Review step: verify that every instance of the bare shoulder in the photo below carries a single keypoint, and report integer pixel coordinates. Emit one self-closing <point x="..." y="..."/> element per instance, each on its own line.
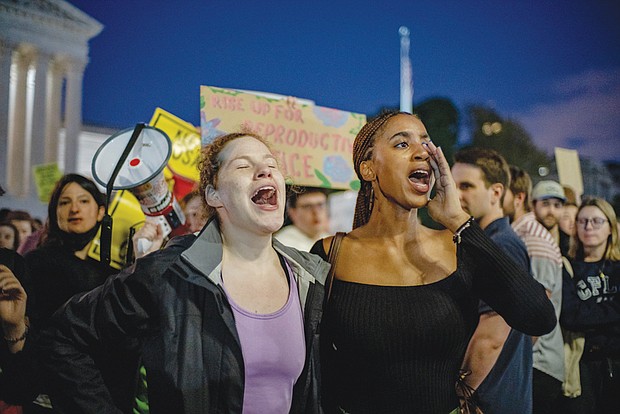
<point x="427" y="256"/>
<point x="327" y="243"/>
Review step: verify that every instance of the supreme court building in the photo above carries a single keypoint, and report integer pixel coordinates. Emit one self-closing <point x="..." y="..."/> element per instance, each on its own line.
<point x="43" y="54"/>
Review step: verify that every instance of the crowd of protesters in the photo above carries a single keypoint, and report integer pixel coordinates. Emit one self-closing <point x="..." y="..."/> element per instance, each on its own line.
<point x="512" y="308"/>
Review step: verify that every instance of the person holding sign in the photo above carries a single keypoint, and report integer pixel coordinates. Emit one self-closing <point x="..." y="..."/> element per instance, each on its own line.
<point x="403" y="298"/>
<point x="226" y="321"/>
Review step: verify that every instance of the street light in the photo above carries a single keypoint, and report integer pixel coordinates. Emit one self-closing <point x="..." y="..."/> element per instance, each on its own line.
<point x="491" y="128"/>
<point x="543" y="171"/>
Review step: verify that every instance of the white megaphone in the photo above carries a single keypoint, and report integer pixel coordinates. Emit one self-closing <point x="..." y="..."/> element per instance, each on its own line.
<point x="134" y="160"/>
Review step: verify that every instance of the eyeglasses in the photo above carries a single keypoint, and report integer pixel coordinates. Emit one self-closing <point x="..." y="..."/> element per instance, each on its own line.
<point x="597" y="222"/>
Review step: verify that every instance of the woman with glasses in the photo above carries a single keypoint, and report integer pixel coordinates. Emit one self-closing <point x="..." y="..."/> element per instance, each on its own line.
<point x="591" y="305"/>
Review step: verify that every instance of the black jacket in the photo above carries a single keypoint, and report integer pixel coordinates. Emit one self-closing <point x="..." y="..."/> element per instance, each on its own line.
<point x="18" y="382"/>
<point x="170" y="308"/>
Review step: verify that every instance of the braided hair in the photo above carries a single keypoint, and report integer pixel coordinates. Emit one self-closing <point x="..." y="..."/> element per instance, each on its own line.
<point x="362" y="151"/>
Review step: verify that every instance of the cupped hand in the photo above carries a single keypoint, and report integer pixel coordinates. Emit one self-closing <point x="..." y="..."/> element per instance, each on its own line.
<point x="12" y="302"/>
<point x="445" y="207"/>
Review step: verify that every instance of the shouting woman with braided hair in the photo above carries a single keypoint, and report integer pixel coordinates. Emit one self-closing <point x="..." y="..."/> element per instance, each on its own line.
<point x="396" y="328"/>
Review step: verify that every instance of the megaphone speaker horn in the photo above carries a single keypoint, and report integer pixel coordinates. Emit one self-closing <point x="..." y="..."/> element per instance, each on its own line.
<point x="141" y="173"/>
<point x="147" y="158"/>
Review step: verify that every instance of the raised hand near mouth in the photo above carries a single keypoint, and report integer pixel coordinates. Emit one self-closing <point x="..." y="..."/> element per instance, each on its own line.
<point x="445" y="207"/>
<point x="12" y="309"/>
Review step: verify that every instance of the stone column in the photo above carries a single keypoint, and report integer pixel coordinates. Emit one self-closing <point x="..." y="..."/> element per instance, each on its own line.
<point x="6" y="56"/>
<point x="18" y="163"/>
<point x="37" y="147"/>
<point x="73" y="113"/>
<point x="52" y="110"/>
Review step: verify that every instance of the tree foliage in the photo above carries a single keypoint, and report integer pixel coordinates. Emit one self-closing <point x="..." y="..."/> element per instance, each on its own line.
<point x="489" y="130"/>
<point x="441" y="119"/>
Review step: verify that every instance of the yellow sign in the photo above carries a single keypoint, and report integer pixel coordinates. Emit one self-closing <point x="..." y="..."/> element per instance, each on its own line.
<point x="314" y="143"/>
<point x="185" y="143"/>
<point x="569" y="169"/>
<point x="45" y="178"/>
<point x="126" y="214"/>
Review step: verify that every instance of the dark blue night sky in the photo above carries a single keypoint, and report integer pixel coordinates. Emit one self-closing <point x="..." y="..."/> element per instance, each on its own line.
<point x="552" y="65"/>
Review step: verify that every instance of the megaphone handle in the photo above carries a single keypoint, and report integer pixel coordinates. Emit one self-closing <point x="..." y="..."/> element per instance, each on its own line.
<point x="106" y="230"/>
<point x="129" y="258"/>
<point x="117" y="168"/>
<point x="106" y="239"/>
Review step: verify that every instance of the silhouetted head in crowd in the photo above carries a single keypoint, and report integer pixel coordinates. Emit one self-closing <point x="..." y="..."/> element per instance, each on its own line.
<point x="193" y="205"/>
<point x="22" y="221"/>
<point x="307" y="210"/>
<point x="9" y="236"/>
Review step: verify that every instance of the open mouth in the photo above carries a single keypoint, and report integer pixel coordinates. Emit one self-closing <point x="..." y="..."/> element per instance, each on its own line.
<point x="266" y="195"/>
<point x="421" y="180"/>
<point x="420" y="176"/>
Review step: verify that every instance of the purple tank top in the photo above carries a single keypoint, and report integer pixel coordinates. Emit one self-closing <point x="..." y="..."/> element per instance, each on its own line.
<point x="274" y="352"/>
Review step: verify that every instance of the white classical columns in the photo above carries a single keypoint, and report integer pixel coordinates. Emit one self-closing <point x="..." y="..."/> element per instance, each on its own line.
<point x="73" y="113"/>
<point x="55" y="76"/>
<point x="44" y="47"/>
<point x="31" y="93"/>
<point x="37" y="134"/>
<point x="17" y="164"/>
<point x="6" y="53"/>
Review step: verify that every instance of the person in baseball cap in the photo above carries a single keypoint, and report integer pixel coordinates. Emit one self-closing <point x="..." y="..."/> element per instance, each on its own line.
<point x="548" y="200"/>
<point x="547" y="189"/>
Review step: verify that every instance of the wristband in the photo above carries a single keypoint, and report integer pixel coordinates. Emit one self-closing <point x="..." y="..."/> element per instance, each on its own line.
<point x="457" y="234"/>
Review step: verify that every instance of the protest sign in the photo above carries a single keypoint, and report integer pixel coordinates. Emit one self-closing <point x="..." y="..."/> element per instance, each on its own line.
<point x="313" y="143"/>
<point x="183" y="162"/>
<point x="45" y="178"/>
<point x="185" y="143"/>
<point x="569" y="169"/>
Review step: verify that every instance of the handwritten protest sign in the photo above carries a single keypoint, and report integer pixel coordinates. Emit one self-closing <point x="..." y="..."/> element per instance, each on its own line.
<point x="182" y="166"/>
<point x="569" y="169"/>
<point x="45" y="178"/>
<point x="314" y="143"/>
<point x="185" y="143"/>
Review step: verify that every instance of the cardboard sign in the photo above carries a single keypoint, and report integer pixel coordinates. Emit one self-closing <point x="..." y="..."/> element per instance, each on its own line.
<point x="45" y="178"/>
<point x="569" y="169"/>
<point x="185" y="143"/>
<point x="126" y="214"/>
<point x="313" y="143"/>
